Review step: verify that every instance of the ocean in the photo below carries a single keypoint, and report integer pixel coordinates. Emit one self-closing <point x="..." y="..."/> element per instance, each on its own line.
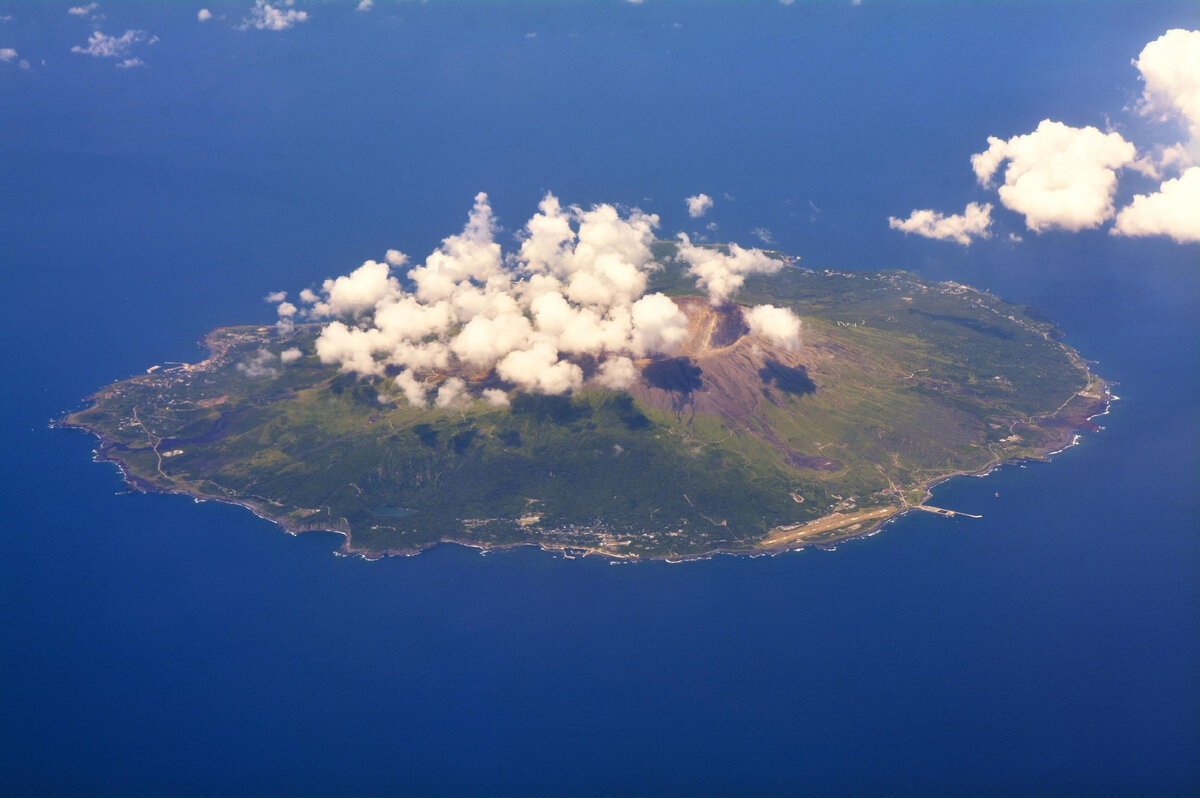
<point x="156" y="646"/>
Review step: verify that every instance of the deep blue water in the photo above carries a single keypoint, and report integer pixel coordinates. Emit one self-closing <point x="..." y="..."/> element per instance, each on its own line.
<point x="152" y="645"/>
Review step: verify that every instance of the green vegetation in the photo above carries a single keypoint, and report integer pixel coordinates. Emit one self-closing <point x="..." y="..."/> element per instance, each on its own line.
<point x="899" y="382"/>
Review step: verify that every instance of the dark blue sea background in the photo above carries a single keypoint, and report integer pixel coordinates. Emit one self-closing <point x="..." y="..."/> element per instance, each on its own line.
<point x="155" y="646"/>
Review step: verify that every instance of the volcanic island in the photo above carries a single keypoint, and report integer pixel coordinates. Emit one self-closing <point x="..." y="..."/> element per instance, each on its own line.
<point x="728" y="442"/>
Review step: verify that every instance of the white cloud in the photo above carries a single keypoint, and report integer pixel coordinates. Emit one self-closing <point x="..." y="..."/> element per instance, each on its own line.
<point x="764" y="235"/>
<point x="592" y="257"/>
<point x="286" y="310"/>
<point x="539" y="370"/>
<point x="698" y="205"/>
<point x="975" y="221"/>
<point x="721" y="275"/>
<point x="265" y="16"/>
<point x="658" y="325"/>
<point x="259" y="364"/>
<point x="103" y="46"/>
<point x="395" y="257"/>
<point x="450" y="392"/>
<point x="1169" y="67"/>
<point x="581" y="330"/>
<point x="275" y="296"/>
<point x="290" y="355"/>
<point x="495" y="397"/>
<point x="414" y="390"/>
<point x="7" y="54"/>
<point x="83" y="11"/>
<point x="129" y="63"/>
<point x="1173" y="211"/>
<point x="1057" y="176"/>
<point x="483" y="340"/>
<point x="780" y="326"/>
<point x="575" y="288"/>
<point x="472" y="255"/>
<point x="358" y="291"/>
<point x="617" y="373"/>
<point x="365" y="5"/>
<point x="204" y="15"/>
<point x="353" y="349"/>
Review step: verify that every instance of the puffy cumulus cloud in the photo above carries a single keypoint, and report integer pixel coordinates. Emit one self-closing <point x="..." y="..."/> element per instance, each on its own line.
<point x="264" y="16"/>
<point x="1063" y="177"/>
<point x="658" y="325"/>
<point x="470" y="257"/>
<point x="365" y="5"/>
<point x="259" y="364"/>
<point x="357" y="292"/>
<point x="275" y="296"/>
<point x="483" y="340"/>
<point x="495" y="397"/>
<point x="698" y="205"/>
<point x="451" y="392"/>
<point x="82" y="11"/>
<point x="722" y="274"/>
<point x="415" y="391"/>
<point x="1173" y="211"/>
<point x="617" y="373"/>
<point x="290" y="355"/>
<point x="352" y="348"/>
<point x="1170" y="69"/>
<point x="8" y="55"/>
<point x="594" y="257"/>
<point x="406" y="318"/>
<point x="539" y="370"/>
<point x="103" y="46"/>
<point x="204" y="15"/>
<point x="582" y="330"/>
<point x="975" y="221"/>
<point x="780" y="326"/>
<point x="1057" y="176"/>
<point x="574" y="292"/>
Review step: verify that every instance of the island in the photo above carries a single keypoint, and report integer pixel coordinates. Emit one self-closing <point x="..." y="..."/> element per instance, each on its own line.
<point x="728" y="442"/>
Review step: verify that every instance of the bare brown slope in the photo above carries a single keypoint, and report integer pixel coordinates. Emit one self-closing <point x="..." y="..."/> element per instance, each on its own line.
<point x="724" y="370"/>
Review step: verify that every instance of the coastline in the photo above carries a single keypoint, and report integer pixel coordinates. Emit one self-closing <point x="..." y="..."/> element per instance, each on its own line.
<point x="1096" y="395"/>
<point x="1102" y="405"/>
<point x="1098" y="405"/>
